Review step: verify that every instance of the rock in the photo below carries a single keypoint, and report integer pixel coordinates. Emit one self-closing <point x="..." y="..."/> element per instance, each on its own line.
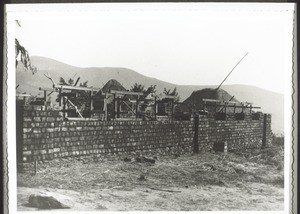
<point x="210" y="166"/>
<point x="144" y="159"/>
<point x="149" y="160"/>
<point x="86" y="161"/>
<point x="142" y="178"/>
<point x="221" y="183"/>
<point x="45" y="202"/>
<point x="138" y="159"/>
<point x="127" y="159"/>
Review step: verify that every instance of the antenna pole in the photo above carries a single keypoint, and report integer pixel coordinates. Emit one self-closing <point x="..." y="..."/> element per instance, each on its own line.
<point x="231" y="71"/>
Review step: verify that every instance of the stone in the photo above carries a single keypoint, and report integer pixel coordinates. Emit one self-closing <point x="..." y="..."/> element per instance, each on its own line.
<point x="142" y="178"/>
<point x="144" y="159"/>
<point x="126" y="159"/>
<point x="45" y="202"/>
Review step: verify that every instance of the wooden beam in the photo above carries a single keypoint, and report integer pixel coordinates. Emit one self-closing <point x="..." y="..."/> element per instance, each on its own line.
<point x="68" y="94"/>
<point x="236" y="106"/>
<point x="68" y="110"/>
<point x="246" y="103"/>
<point x="211" y="100"/>
<point x="220" y="101"/>
<point x="23" y="95"/>
<point x="48" y="89"/>
<point x="126" y="93"/>
<point x="80" y="119"/>
<point x="167" y="97"/>
<point x="66" y="98"/>
<point x="231" y="102"/>
<point x="128" y="107"/>
<point x="79" y="88"/>
<point x="121" y="98"/>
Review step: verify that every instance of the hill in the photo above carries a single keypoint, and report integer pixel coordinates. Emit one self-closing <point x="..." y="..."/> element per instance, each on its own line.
<point x="270" y="102"/>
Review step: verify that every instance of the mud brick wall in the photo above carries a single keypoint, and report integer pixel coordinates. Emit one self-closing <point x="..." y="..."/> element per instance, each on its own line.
<point x="231" y="133"/>
<point x="46" y="136"/>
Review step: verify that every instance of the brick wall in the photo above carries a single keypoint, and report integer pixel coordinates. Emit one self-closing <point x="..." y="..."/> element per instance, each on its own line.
<point x="232" y="133"/>
<point x="46" y="136"/>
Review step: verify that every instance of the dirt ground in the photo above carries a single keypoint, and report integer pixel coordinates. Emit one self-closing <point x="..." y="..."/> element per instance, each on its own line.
<point x="202" y="182"/>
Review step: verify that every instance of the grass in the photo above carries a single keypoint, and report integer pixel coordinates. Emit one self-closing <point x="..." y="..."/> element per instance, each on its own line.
<point x="220" y="181"/>
<point x="187" y="170"/>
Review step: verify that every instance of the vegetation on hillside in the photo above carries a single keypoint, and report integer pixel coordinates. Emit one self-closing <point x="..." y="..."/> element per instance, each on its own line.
<point x="23" y="54"/>
<point x="140" y="88"/>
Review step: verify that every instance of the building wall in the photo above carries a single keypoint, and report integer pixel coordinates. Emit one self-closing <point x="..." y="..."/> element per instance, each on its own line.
<point x="46" y="136"/>
<point x="234" y="134"/>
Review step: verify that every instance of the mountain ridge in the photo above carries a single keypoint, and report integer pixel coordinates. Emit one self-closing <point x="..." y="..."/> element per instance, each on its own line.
<point x="269" y="101"/>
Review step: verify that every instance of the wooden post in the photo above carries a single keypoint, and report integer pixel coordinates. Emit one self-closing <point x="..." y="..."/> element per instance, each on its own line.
<point x="45" y="97"/>
<point x="172" y="109"/>
<point x="114" y="107"/>
<point x="118" y="107"/>
<point x="60" y="97"/>
<point x="234" y="108"/>
<point x="264" y="137"/>
<point x="195" y="139"/>
<point x="137" y="106"/>
<point x="64" y="107"/>
<point x="91" y="100"/>
<point x="105" y="107"/>
<point x="155" y="108"/>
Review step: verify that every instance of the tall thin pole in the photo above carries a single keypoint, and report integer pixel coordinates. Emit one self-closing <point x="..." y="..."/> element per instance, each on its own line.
<point x="231" y="71"/>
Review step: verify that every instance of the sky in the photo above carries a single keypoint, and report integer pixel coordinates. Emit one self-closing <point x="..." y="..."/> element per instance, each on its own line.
<point x="182" y="46"/>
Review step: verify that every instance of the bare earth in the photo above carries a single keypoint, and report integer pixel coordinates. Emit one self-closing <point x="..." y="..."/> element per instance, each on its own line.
<point x="192" y="182"/>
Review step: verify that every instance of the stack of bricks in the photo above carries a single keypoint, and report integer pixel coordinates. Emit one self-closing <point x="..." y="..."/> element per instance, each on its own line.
<point x="46" y="136"/>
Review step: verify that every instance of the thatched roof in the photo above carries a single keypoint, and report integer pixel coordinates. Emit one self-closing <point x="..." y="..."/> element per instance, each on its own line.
<point x="195" y="100"/>
<point x="113" y="85"/>
<point x="110" y="85"/>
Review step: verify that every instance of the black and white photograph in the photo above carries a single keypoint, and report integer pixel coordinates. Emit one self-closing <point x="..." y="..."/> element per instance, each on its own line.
<point x="150" y="107"/>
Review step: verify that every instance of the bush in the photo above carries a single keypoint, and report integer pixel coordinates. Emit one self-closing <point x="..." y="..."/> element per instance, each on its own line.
<point x="277" y="140"/>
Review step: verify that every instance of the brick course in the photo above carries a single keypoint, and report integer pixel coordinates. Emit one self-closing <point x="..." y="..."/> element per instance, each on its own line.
<point x="46" y="136"/>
